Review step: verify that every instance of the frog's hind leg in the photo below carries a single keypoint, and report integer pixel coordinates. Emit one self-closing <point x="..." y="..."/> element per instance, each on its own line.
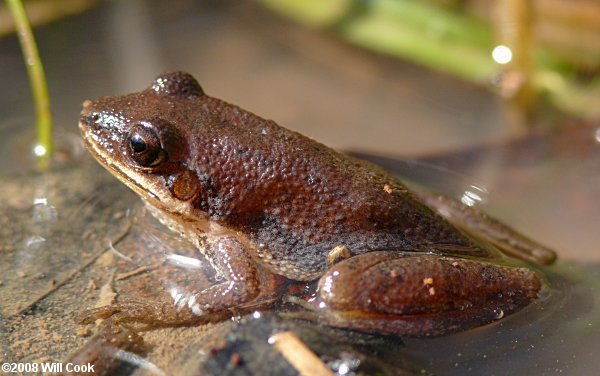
<point x="481" y="226"/>
<point x="244" y="282"/>
<point x="420" y="294"/>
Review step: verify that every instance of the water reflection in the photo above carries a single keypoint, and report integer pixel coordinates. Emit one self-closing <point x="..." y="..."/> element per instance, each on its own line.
<point x="474" y="196"/>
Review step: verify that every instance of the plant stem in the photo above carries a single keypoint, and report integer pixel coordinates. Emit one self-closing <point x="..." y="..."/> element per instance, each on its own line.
<point x="37" y="80"/>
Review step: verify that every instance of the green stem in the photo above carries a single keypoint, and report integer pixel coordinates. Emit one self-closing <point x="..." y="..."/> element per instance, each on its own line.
<point x="37" y="80"/>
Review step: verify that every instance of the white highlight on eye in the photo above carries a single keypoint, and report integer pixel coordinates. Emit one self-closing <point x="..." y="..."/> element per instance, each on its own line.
<point x="502" y="54"/>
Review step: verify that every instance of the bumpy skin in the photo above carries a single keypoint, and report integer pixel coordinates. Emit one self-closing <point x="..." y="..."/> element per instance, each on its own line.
<point x="295" y="199"/>
<point x="286" y="201"/>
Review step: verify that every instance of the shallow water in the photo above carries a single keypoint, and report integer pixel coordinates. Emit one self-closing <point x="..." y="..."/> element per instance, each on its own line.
<point x="558" y="334"/>
<point x="545" y="185"/>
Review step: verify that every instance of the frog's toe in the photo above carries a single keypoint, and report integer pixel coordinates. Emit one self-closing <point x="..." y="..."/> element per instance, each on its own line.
<point x="89" y="316"/>
<point x="154" y="313"/>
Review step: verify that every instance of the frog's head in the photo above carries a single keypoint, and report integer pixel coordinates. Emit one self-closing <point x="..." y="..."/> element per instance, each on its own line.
<point x="142" y="139"/>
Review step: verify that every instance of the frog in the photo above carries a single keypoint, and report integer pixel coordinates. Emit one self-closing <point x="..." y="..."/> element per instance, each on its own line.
<point x="270" y="207"/>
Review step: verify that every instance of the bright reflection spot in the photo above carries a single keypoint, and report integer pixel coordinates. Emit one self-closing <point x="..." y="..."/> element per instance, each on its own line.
<point x="327" y="284"/>
<point x="195" y="307"/>
<point x="343" y="369"/>
<point x="42" y="211"/>
<point x="256" y="315"/>
<point x="131" y="358"/>
<point x="322" y="305"/>
<point x="469" y="198"/>
<point x="40" y="201"/>
<point x="176" y="295"/>
<point x="502" y="54"/>
<point x="34" y="240"/>
<point x="39" y="150"/>
<point x="473" y="195"/>
<point x="597" y="135"/>
<point x="184" y="261"/>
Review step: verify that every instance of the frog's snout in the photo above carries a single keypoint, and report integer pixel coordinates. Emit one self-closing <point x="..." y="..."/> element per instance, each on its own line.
<point x="87" y="120"/>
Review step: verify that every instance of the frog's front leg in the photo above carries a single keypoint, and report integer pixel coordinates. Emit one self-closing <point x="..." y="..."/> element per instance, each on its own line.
<point x="421" y="294"/>
<point x="242" y="286"/>
<point x="481" y="226"/>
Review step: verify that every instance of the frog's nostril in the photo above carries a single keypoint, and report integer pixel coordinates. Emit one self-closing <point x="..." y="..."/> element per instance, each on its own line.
<point x="89" y="119"/>
<point x="84" y="119"/>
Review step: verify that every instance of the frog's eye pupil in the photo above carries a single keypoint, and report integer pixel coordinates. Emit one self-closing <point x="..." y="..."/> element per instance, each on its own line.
<point x="144" y="145"/>
<point x="137" y="144"/>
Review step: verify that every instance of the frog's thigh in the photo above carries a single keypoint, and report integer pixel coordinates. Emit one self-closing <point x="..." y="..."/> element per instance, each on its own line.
<point x="422" y="295"/>
<point x="243" y="283"/>
<point x="480" y="225"/>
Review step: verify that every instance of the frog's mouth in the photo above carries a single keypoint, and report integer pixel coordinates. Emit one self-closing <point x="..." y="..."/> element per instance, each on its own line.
<point x="152" y="189"/>
<point x="138" y="182"/>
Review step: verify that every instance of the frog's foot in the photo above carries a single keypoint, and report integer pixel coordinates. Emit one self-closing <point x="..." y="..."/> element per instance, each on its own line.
<point x="422" y="295"/>
<point x="481" y="226"/>
<point x="150" y="313"/>
<point x="242" y="286"/>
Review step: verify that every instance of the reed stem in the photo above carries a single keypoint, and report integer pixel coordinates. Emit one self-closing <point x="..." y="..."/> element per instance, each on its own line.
<point x="37" y="81"/>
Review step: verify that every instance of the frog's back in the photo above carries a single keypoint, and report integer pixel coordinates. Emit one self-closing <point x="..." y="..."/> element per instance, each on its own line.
<point x="297" y="199"/>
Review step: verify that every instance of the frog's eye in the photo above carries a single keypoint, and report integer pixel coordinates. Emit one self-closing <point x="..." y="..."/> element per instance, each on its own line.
<point x="144" y="146"/>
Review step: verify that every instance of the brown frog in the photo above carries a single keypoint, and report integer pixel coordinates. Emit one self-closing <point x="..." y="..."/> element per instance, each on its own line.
<point x="275" y="206"/>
